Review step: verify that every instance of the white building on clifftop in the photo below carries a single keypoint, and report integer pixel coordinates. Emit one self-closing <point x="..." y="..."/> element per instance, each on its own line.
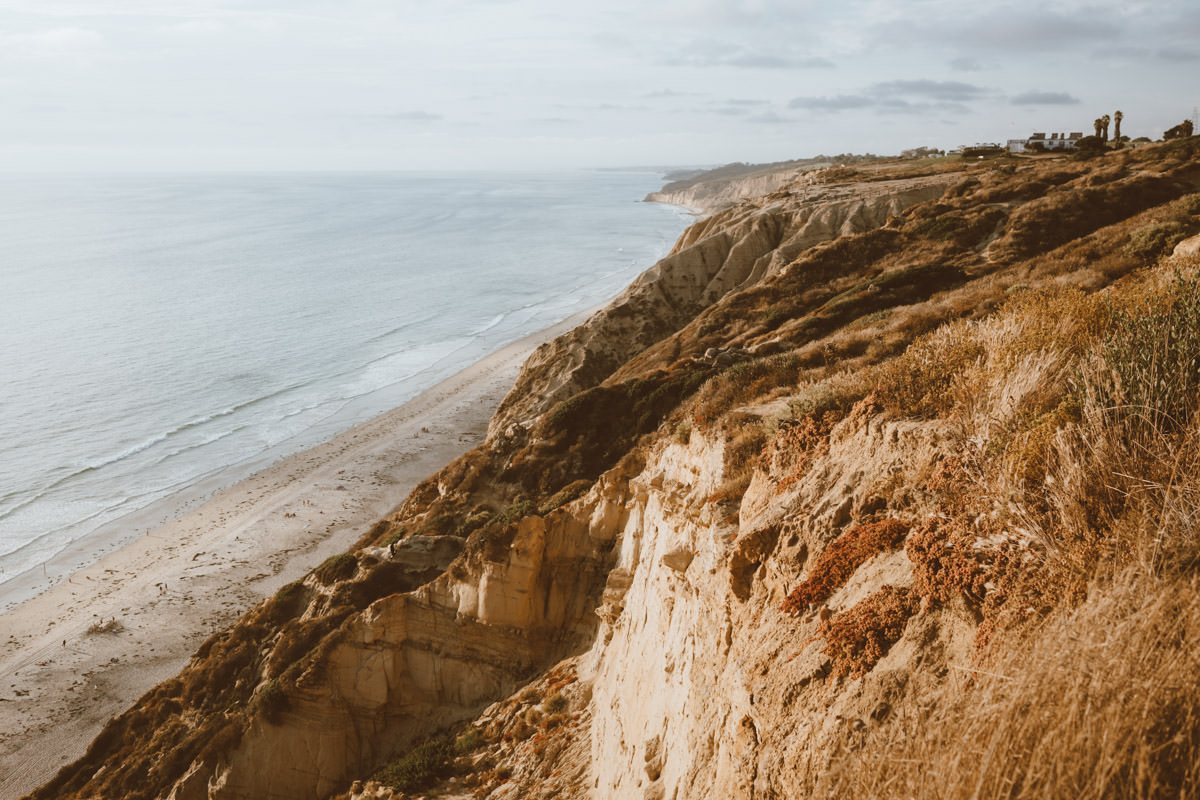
<point x="1038" y="143"/>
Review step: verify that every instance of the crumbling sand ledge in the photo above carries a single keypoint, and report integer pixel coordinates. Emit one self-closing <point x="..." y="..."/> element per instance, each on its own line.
<point x="171" y="588"/>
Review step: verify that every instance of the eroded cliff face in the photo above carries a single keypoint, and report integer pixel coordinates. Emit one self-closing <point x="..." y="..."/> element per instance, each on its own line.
<point x="417" y="662"/>
<point x="701" y="687"/>
<point x="696" y="684"/>
<point x="743" y="519"/>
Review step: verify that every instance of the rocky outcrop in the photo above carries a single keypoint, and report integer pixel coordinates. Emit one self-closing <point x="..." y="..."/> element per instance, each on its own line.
<point x="1188" y="248"/>
<point x="416" y="662"/>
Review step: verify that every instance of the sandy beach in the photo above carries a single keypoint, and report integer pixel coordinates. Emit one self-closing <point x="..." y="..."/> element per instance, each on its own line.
<point x="84" y="649"/>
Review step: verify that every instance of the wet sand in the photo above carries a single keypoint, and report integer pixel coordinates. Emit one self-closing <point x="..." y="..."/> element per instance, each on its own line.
<point x="62" y="677"/>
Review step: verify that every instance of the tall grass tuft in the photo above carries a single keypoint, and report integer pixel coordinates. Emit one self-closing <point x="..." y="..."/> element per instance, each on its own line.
<point x="1102" y="703"/>
<point x="1150" y="366"/>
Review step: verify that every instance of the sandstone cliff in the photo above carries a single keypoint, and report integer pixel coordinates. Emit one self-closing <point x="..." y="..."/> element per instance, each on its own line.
<point x="808" y="511"/>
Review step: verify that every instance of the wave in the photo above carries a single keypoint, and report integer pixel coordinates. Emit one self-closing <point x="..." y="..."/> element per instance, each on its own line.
<point x="201" y="444"/>
<point x="400" y="328"/>
<point x="146" y="444"/>
<point x="41" y="539"/>
<point x="496" y="320"/>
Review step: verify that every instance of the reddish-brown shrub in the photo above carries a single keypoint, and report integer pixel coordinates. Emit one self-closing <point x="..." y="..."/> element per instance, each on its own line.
<point x="795" y="446"/>
<point x="843" y="556"/>
<point x="944" y="562"/>
<point x="857" y="638"/>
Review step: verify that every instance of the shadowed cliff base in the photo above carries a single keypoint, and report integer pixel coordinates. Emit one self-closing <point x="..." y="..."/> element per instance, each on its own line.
<point x="879" y="486"/>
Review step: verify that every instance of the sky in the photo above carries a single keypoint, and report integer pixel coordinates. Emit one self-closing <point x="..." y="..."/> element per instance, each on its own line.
<point x="220" y="85"/>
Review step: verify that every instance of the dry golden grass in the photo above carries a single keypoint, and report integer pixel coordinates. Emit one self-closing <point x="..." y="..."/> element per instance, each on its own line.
<point x="1102" y="702"/>
<point x="919" y="382"/>
<point x="744" y="440"/>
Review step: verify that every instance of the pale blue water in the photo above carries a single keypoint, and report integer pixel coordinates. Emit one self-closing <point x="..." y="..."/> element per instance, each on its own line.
<point x="156" y="330"/>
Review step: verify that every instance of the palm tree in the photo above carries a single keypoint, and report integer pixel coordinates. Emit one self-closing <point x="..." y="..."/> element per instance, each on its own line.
<point x="1104" y="126"/>
<point x="1117" y="117"/>
<point x="1098" y="123"/>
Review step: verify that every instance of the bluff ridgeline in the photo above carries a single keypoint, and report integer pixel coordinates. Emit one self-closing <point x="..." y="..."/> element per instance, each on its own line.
<point x="882" y="483"/>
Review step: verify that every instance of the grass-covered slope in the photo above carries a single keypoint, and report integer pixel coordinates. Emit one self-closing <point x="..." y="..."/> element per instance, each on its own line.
<point x="1023" y="312"/>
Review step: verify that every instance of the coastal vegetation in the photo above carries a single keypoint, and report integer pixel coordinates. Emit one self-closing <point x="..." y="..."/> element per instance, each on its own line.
<point x="1007" y="609"/>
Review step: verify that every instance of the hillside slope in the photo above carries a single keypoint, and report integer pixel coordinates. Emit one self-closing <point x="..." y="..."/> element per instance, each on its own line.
<point x="870" y="488"/>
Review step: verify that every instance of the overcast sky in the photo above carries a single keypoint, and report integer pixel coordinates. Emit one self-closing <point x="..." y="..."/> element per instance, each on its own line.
<point x="372" y="84"/>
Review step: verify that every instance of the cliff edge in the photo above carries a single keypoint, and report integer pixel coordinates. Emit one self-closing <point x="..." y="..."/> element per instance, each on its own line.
<point x="880" y="484"/>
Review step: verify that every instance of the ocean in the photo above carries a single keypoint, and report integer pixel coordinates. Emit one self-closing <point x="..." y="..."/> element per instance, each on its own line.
<point x="156" y="331"/>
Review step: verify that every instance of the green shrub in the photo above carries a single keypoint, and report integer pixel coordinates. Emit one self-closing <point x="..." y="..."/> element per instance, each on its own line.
<point x="1073" y="212"/>
<point x="918" y="382"/>
<point x="837" y="393"/>
<point x="1189" y="203"/>
<point x="272" y="701"/>
<point x="393" y="537"/>
<point x="473" y="522"/>
<point x="336" y="568"/>
<point x="742" y="383"/>
<point x="774" y="317"/>
<point x="417" y="768"/>
<point x="288" y="602"/>
<point x="870" y="319"/>
<point x="1150" y="242"/>
<point x="571" y="491"/>
<point x="289" y="592"/>
<point x="556" y="704"/>
<point x="518" y="510"/>
<point x="468" y="741"/>
<point x="444" y="524"/>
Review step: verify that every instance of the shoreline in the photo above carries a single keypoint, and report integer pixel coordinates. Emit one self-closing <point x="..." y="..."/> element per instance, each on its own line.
<point x="81" y="553"/>
<point x="171" y="587"/>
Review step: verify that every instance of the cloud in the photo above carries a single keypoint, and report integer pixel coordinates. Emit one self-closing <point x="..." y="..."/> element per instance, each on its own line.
<point x="965" y="64"/>
<point x="900" y="97"/>
<point x="767" y="61"/>
<point x="1126" y="52"/>
<point x="736" y="107"/>
<point x="900" y="106"/>
<point x="415" y="116"/>
<point x="708" y="53"/>
<point x="706" y="14"/>
<point x="1039" y="30"/>
<point x="78" y="45"/>
<point x="1008" y="31"/>
<point x="667" y="94"/>
<point x="948" y="91"/>
<point x="1178" y="54"/>
<point x="1038" y="98"/>
<point x="770" y="118"/>
<point x="840" y="102"/>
